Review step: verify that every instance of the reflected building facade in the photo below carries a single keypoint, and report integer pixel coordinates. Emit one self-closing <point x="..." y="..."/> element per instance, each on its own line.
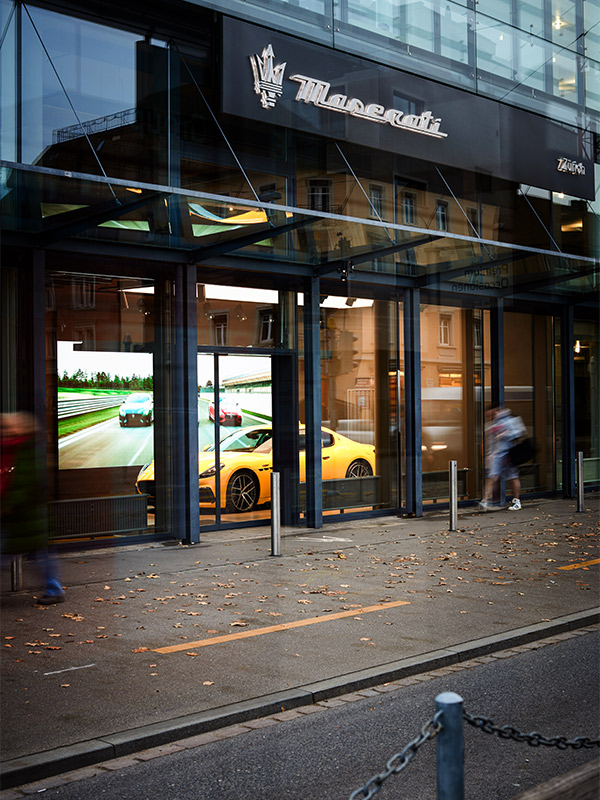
<point x="346" y="232"/>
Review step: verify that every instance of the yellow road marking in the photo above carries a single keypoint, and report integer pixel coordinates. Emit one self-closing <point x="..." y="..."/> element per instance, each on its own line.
<point x="583" y="564"/>
<point x="285" y="626"/>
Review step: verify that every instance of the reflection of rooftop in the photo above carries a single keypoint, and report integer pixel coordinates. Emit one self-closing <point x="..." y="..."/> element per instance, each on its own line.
<point x="256" y="379"/>
<point x="97" y="125"/>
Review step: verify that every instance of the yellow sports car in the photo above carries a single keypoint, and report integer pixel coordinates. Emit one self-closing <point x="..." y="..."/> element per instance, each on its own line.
<point x="246" y="464"/>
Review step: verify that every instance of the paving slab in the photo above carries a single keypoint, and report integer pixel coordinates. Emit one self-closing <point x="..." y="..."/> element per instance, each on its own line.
<point x="156" y="643"/>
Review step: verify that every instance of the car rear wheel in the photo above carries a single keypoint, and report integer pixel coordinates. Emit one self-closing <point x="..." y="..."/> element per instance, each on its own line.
<point x="359" y="469"/>
<point x="242" y="492"/>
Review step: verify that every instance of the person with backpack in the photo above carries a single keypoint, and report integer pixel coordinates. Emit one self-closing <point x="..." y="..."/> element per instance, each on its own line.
<point x="505" y="430"/>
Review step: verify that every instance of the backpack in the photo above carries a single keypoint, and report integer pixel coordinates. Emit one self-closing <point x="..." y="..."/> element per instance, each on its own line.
<point x="521" y="452"/>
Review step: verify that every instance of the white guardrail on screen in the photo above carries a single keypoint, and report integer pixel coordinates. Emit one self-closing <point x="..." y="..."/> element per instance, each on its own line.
<point x="72" y="408"/>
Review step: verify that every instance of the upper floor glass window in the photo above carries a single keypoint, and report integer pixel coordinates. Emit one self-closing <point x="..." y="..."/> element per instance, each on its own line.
<point x="79" y="87"/>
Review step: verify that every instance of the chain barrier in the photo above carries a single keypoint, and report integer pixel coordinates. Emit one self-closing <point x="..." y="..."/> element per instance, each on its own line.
<point x="534" y="739"/>
<point x="400" y="760"/>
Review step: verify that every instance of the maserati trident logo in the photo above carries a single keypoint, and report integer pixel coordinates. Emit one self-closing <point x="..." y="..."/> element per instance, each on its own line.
<point x="268" y="84"/>
<point x="268" y="78"/>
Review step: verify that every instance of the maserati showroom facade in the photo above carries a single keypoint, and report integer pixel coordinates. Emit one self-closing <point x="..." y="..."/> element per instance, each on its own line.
<point x="317" y="238"/>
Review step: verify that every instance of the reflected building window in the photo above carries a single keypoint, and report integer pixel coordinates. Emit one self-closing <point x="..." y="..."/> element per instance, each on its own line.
<point x="409" y="206"/>
<point x="473" y="217"/>
<point x="86" y="338"/>
<point x="477" y="339"/>
<point x="266" y="326"/>
<point x="376" y="195"/>
<point x="83" y="293"/>
<point x="220" y="326"/>
<point x="319" y="195"/>
<point x="441" y="215"/>
<point x="445" y="329"/>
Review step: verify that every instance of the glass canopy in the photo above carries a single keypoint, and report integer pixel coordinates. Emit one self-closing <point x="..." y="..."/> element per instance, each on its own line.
<point x="47" y="207"/>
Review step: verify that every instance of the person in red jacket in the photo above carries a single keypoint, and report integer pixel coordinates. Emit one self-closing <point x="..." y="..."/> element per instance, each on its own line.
<point x="23" y="511"/>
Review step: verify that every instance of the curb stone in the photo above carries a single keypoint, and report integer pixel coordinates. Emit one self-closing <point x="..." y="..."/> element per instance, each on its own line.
<point x="39" y="766"/>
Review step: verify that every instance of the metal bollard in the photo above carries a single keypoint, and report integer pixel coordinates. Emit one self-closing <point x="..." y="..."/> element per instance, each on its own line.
<point x="275" y="515"/>
<point x="450" y="750"/>
<point x="16" y="573"/>
<point x="580" y="480"/>
<point x="453" y="495"/>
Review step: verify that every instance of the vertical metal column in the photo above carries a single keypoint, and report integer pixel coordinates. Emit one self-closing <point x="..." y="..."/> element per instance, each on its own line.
<point x="186" y="518"/>
<point x="453" y="468"/>
<point x="450" y="751"/>
<point x="190" y="387"/>
<point x="497" y="369"/>
<point x="312" y="401"/>
<point x="497" y="350"/>
<point x="412" y="389"/>
<point x="568" y="401"/>
<point x="580" y="507"/>
<point x="275" y="515"/>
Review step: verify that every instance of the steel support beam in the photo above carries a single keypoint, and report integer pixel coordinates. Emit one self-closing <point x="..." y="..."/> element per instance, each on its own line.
<point x="412" y="404"/>
<point x="567" y="342"/>
<point x="312" y="401"/>
<point x="186" y="519"/>
<point x="497" y="368"/>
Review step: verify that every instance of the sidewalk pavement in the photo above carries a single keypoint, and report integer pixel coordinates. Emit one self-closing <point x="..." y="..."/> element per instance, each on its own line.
<point x="157" y="642"/>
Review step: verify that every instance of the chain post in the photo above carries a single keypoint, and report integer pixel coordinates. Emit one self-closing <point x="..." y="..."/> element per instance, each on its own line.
<point x="580" y="506"/>
<point x="16" y="573"/>
<point x="450" y="748"/>
<point x="453" y="465"/>
<point x="275" y="515"/>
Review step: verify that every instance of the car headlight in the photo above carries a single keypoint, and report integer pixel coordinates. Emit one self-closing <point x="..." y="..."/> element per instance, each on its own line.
<point x="208" y="473"/>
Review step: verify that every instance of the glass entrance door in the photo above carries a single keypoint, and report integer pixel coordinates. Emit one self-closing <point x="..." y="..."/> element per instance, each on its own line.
<point x="235" y="438"/>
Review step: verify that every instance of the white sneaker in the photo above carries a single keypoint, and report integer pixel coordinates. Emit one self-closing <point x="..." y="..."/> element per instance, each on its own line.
<point x="515" y="505"/>
<point x="484" y="505"/>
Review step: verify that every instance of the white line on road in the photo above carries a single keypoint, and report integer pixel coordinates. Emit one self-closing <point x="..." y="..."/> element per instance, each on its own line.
<point x="69" y="669"/>
<point x="92" y="430"/>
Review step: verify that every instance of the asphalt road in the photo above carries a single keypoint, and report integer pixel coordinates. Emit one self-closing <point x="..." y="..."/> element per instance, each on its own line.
<point x="108" y="445"/>
<point x="554" y="690"/>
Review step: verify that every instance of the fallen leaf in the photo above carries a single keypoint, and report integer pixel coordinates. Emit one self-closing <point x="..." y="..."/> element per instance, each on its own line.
<point x="140" y="650"/>
<point x="238" y="624"/>
<point x="207" y="683"/>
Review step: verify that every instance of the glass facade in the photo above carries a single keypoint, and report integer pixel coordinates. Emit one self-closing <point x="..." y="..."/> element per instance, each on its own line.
<point x="537" y="55"/>
<point x="220" y="294"/>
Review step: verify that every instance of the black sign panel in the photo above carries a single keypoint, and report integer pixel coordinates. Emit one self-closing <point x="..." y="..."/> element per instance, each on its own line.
<point x="273" y="78"/>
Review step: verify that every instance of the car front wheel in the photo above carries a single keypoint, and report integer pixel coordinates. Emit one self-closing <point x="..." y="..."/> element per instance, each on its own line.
<point x="242" y="492"/>
<point x="359" y="469"/>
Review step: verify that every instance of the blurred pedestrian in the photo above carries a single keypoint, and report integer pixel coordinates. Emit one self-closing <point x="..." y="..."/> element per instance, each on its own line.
<point x="23" y="511"/>
<point x="504" y="429"/>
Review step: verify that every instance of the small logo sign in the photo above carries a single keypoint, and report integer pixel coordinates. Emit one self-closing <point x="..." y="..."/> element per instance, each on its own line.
<point x="268" y="78"/>
<point x="570" y="166"/>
